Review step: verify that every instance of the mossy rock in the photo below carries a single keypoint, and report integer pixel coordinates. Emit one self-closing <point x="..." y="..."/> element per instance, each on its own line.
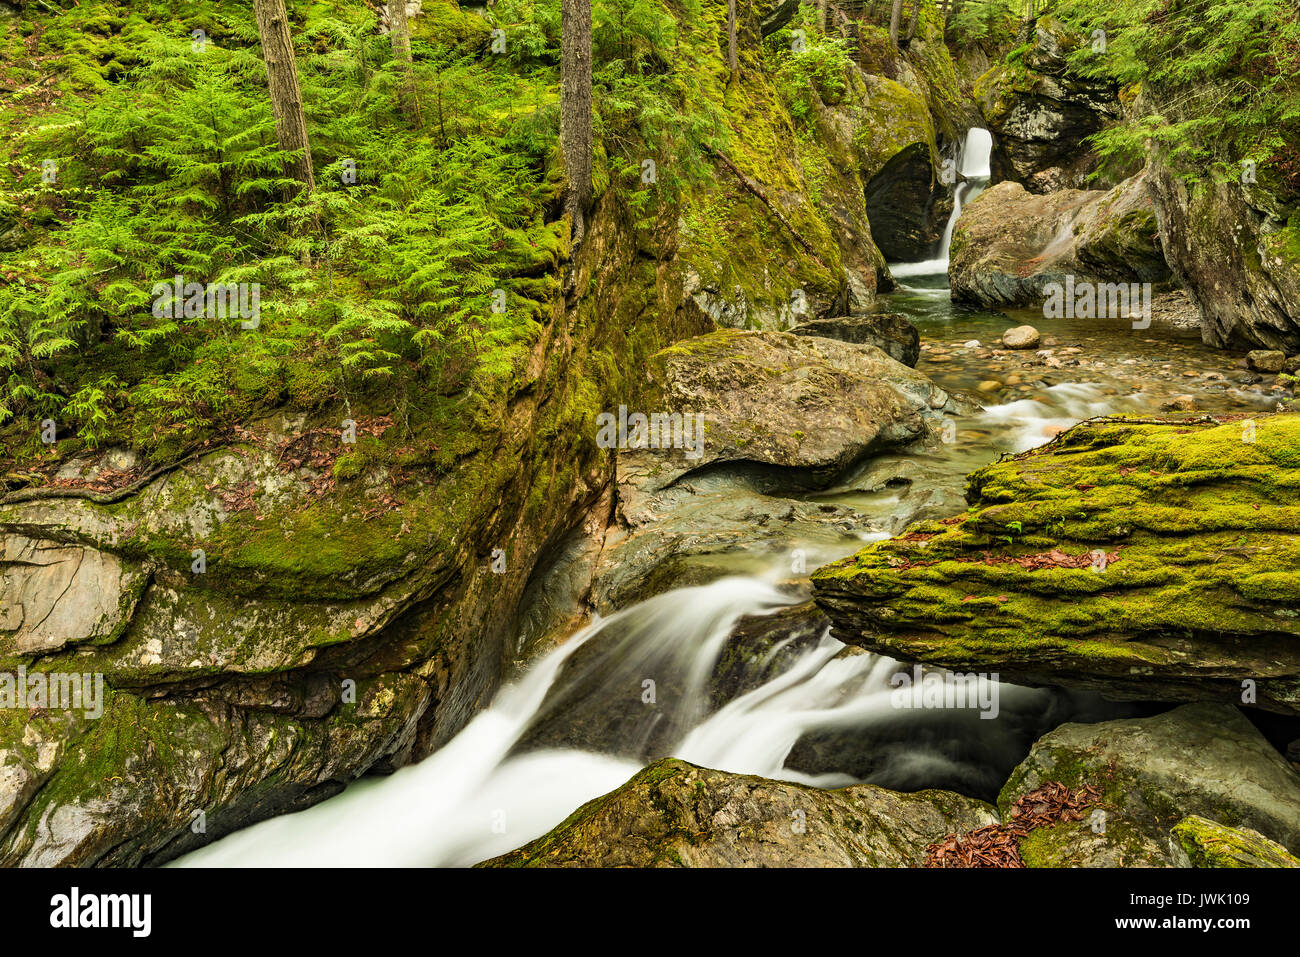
<point x="1151" y="774"/>
<point x="1200" y="842"/>
<point x="674" y="814"/>
<point x="1151" y="561"/>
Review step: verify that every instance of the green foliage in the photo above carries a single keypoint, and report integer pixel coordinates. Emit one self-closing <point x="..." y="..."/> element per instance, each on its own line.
<point x="986" y="20"/>
<point x="1226" y="76"/>
<point x="369" y="288"/>
<point x="808" y="72"/>
<point x="420" y="282"/>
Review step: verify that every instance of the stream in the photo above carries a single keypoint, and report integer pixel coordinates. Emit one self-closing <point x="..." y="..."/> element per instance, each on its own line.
<point x="582" y="718"/>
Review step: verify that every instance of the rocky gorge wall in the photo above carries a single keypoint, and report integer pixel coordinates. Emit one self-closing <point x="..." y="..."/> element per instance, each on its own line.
<point x="277" y="616"/>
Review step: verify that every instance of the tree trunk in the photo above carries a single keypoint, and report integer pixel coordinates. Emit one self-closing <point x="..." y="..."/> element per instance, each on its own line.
<point x="733" y="55"/>
<point x="916" y="17"/>
<point x="954" y="8"/>
<point x="286" y="95"/>
<point x="575" y="109"/>
<point x="399" y="31"/>
<point x="821" y="15"/>
<point x="895" y="21"/>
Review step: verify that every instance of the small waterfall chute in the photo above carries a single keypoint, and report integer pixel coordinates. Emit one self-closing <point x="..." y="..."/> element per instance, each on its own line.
<point x="973" y="164"/>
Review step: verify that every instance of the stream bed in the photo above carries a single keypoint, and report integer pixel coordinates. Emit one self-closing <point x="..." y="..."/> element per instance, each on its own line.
<point x="644" y="682"/>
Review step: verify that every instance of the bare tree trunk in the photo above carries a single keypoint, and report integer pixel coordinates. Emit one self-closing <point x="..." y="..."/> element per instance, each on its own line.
<point x="954" y="8"/>
<point x="821" y="15"/>
<point x="916" y="17"/>
<point x="733" y="55"/>
<point x="399" y="31"/>
<point x="895" y="21"/>
<point x="575" y="109"/>
<point x="286" y="95"/>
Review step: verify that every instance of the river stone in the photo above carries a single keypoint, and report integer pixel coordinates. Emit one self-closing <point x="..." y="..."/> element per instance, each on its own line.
<point x="1012" y="247"/>
<point x="1203" y="759"/>
<point x="1266" y="360"/>
<point x="1021" y="337"/>
<point x="674" y="814"/>
<point x="1200" y="528"/>
<point x="888" y="331"/>
<point x="1199" y="842"/>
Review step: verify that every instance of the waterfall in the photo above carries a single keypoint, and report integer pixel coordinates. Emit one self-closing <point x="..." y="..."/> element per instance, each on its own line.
<point x="580" y="722"/>
<point x="973" y="165"/>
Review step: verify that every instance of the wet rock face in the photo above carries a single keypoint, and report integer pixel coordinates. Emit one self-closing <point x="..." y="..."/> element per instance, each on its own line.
<point x="1230" y="246"/>
<point x="905" y="221"/>
<point x="1152" y="774"/>
<point x="889" y="332"/>
<point x="1040" y="112"/>
<point x="205" y="681"/>
<point x="884" y="133"/>
<point x="1011" y="247"/>
<point x="674" y="814"/>
<point x="1152" y="562"/>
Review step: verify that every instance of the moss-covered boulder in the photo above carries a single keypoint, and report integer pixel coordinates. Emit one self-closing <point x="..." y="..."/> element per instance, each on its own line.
<point x="1151" y="561"/>
<point x="1151" y="774"/>
<point x="1009" y="246"/>
<point x="675" y="814"/>
<point x="1198" y="842"/>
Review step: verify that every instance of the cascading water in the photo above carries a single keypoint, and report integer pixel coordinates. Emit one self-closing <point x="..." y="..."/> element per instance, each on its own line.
<point x="490" y="790"/>
<point x="674" y="675"/>
<point x="973" y="167"/>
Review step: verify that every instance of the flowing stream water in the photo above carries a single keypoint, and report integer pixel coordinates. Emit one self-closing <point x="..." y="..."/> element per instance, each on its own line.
<point x="581" y="719"/>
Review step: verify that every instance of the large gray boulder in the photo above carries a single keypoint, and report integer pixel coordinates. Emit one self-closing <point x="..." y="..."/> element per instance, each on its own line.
<point x="887" y="331"/>
<point x="1011" y="246"/>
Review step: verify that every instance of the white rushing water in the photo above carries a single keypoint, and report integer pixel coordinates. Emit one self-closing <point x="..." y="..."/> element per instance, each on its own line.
<point x="475" y="799"/>
<point x="973" y="164"/>
<point x="1027" y="423"/>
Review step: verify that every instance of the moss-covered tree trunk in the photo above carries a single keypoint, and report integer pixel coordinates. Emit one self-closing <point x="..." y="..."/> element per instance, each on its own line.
<point x="733" y="55"/>
<point x="399" y="31"/>
<point x="916" y="17"/>
<point x="286" y="95"/>
<point x="575" y="109"/>
<point x="895" y="21"/>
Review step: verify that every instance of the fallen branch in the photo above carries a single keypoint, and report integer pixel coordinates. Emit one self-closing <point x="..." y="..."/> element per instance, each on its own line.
<point x="98" y="498"/>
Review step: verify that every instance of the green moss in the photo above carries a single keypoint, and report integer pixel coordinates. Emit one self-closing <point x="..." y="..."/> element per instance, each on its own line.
<point x="1210" y="844"/>
<point x="1202" y="530"/>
